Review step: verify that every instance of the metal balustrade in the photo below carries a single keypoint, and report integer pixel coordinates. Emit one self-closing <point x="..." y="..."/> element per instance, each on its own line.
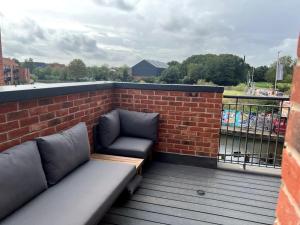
<point x="252" y="130"/>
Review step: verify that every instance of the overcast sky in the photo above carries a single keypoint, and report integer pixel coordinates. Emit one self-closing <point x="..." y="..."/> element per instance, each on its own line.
<point x="120" y="32"/>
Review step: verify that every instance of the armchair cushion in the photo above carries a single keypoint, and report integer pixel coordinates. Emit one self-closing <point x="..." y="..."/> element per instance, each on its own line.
<point x="63" y="152"/>
<point x="130" y="147"/>
<point x="109" y="128"/>
<point x="139" y="124"/>
<point x="21" y="178"/>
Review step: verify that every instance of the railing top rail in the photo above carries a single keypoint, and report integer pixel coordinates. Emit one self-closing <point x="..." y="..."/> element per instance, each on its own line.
<point x="257" y="97"/>
<point x="241" y="104"/>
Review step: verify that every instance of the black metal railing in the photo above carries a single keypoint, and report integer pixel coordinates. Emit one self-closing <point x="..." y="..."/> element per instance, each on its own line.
<point x="252" y="130"/>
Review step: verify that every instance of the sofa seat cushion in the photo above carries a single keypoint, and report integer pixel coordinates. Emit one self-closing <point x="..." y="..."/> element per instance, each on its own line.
<point x="131" y="147"/>
<point x="21" y="177"/>
<point x="63" y="152"/>
<point x="81" y="198"/>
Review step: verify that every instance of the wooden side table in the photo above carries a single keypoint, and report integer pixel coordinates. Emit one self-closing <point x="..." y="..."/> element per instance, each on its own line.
<point x="137" y="162"/>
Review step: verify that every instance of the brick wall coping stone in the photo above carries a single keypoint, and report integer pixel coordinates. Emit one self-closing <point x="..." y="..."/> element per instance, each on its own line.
<point x="169" y="87"/>
<point x="39" y="90"/>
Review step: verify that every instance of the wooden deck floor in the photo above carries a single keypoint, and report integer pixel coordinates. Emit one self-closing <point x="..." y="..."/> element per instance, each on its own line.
<point x="168" y="195"/>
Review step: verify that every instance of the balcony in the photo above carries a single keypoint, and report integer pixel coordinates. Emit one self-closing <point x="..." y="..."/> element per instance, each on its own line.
<point x="178" y="194"/>
<point x="183" y="184"/>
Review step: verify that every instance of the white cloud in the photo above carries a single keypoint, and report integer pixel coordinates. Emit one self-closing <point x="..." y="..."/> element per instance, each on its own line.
<point x="286" y="46"/>
<point x="125" y="31"/>
<point x="126" y="5"/>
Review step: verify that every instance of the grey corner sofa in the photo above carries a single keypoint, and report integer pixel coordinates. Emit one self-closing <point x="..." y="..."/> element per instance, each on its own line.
<point x="52" y="181"/>
<point x="126" y="133"/>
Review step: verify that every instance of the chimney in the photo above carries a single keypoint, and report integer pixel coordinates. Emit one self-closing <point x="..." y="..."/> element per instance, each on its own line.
<point x="1" y="64"/>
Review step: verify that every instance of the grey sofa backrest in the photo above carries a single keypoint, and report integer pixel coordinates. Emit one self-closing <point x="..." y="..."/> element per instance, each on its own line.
<point x="63" y="152"/>
<point x="139" y="124"/>
<point x="109" y="128"/>
<point x="21" y="177"/>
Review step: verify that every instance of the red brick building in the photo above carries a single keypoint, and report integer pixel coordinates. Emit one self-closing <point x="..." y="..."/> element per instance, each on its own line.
<point x="288" y="208"/>
<point x="14" y="73"/>
<point x="10" y="70"/>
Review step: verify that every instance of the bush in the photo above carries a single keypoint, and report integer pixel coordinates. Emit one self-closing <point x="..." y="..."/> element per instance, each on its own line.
<point x="187" y="80"/>
<point x="263" y="85"/>
<point x="283" y="87"/>
<point x="240" y="87"/>
<point x="33" y="77"/>
<point x="151" y="79"/>
<point x="203" y="82"/>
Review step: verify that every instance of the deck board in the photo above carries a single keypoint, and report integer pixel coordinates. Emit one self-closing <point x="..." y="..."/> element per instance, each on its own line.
<point x="168" y="195"/>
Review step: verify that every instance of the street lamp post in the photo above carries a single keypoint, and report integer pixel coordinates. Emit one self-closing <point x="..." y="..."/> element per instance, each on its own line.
<point x="277" y="71"/>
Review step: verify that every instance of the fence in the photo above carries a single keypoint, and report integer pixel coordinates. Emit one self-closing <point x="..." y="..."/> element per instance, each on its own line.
<point x="252" y="130"/>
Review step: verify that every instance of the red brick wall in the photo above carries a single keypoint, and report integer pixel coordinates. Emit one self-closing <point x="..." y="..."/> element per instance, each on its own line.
<point x="25" y="120"/>
<point x="189" y="122"/>
<point x="288" y="208"/>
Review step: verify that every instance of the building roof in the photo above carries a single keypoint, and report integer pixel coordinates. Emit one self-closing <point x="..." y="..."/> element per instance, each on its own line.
<point x="157" y="64"/>
<point x="10" y="62"/>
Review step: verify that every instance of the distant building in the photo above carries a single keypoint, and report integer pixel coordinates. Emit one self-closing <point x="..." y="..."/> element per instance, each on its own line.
<point x="14" y="73"/>
<point x="148" y="68"/>
<point x="24" y="75"/>
<point x="56" y="65"/>
<point x="39" y="64"/>
<point x="11" y="71"/>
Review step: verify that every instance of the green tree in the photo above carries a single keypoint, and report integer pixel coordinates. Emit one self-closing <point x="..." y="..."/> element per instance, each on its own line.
<point x="224" y="69"/>
<point x="120" y="74"/>
<point x="174" y="63"/>
<point x="195" y="72"/>
<point x="227" y="69"/>
<point x="270" y="74"/>
<point x="43" y="73"/>
<point x="171" y="75"/>
<point x="288" y="64"/>
<point x="125" y="74"/>
<point x="77" y="69"/>
<point x="260" y="73"/>
<point x="187" y="80"/>
<point x="28" y="63"/>
<point x="55" y="74"/>
<point x="98" y="73"/>
<point x="64" y="74"/>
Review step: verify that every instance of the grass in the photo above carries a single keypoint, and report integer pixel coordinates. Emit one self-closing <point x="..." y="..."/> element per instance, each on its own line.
<point x="233" y="92"/>
<point x="241" y="88"/>
<point x="263" y="85"/>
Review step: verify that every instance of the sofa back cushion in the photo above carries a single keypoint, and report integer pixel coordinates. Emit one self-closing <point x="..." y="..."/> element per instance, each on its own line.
<point x="63" y="152"/>
<point x="109" y="128"/>
<point x="21" y="177"/>
<point x="139" y="124"/>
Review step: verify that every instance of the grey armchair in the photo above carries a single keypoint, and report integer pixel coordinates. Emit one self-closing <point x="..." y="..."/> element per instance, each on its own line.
<point x="126" y="133"/>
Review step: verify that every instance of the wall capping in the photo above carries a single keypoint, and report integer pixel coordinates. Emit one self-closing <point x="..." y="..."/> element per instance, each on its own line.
<point x="169" y="87"/>
<point x="34" y="91"/>
<point x="27" y="92"/>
